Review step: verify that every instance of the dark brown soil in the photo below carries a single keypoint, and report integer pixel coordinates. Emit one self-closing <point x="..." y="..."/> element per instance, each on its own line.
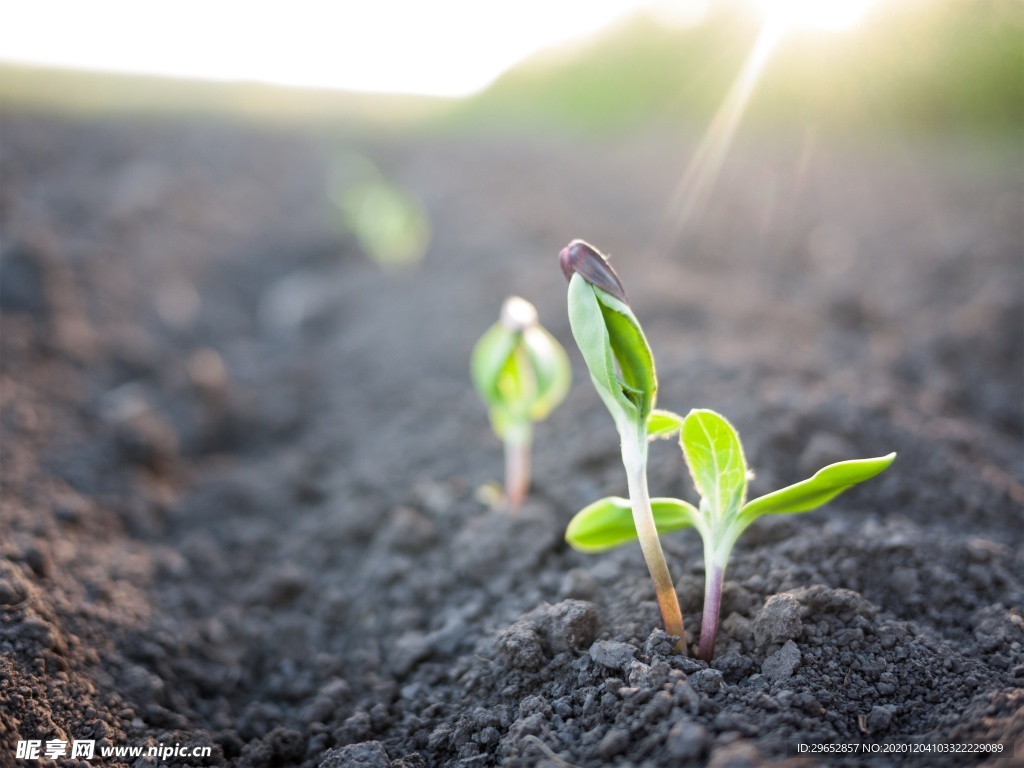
<point x="240" y="461"/>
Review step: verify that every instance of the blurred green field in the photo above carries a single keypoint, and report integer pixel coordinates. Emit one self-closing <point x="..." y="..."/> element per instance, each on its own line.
<point x="98" y="94"/>
<point x="936" y="67"/>
<point x="939" y="67"/>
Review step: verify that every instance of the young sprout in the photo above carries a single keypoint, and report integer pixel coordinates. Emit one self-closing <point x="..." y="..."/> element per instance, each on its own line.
<point x="522" y="373"/>
<point x="622" y="368"/>
<point x="714" y="456"/>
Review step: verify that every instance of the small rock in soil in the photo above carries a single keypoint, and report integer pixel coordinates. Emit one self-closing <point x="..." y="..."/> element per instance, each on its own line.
<point x="659" y="643"/>
<point x="369" y="754"/>
<point x="782" y="663"/>
<point x="880" y="718"/>
<point x="778" y="621"/>
<point x="569" y="625"/>
<point x="613" y="654"/>
<point x="819" y="598"/>
<point x="708" y="681"/>
<point x="520" y="646"/>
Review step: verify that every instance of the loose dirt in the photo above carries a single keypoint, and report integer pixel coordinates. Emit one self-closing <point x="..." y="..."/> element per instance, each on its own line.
<point x="241" y="461"/>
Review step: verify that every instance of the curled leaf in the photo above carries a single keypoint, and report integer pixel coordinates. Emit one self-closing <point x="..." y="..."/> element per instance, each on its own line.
<point x="616" y="352"/>
<point x="520" y="370"/>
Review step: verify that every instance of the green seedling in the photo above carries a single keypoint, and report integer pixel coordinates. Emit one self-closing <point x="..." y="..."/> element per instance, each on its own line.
<point x="522" y="373"/>
<point x="622" y="368"/>
<point x="714" y="455"/>
<point x="390" y="223"/>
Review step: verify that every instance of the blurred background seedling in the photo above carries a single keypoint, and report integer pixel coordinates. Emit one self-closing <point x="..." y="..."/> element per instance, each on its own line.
<point x="390" y="223"/>
<point x="522" y="373"/>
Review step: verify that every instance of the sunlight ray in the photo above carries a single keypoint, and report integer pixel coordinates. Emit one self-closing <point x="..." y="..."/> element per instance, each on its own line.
<point x="692" y="192"/>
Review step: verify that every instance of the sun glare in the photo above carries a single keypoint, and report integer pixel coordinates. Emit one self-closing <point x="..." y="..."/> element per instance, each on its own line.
<point x="702" y="172"/>
<point x="447" y="47"/>
<point x="443" y="48"/>
<point x="831" y="15"/>
<point x="779" y="17"/>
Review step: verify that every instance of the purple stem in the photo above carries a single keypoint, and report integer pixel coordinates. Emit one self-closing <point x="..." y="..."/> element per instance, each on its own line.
<point x="712" y="607"/>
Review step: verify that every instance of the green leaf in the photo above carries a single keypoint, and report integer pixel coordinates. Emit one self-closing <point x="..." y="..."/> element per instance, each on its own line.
<point x="631" y="352"/>
<point x="520" y="370"/>
<point x="490" y="356"/>
<point x="391" y="224"/>
<point x="551" y="368"/>
<point x="608" y="523"/>
<point x="615" y="351"/>
<point x="810" y="494"/>
<point x="663" y="424"/>
<point x="715" y="458"/>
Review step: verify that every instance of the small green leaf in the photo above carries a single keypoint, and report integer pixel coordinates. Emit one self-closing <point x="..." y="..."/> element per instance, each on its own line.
<point x="810" y="494"/>
<point x="551" y="368"/>
<point x="715" y="457"/>
<point x="391" y="223"/>
<point x="608" y="522"/>
<point x="663" y="424"/>
<point x="490" y="356"/>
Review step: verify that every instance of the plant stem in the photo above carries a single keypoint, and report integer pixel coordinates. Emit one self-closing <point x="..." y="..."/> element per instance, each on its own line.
<point x="713" y="582"/>
<point x="517" y="465"/>
<point x="634" y="457"/>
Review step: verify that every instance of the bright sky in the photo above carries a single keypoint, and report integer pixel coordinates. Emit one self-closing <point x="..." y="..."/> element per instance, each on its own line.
<point x="436" y="47"/>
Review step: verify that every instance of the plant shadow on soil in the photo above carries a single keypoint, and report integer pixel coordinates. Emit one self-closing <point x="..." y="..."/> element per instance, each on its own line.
<point x="240" y="461"/>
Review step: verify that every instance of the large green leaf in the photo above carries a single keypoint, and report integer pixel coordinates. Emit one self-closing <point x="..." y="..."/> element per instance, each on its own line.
<point x="588" y="328"/>
<point x="615" y="351"/>
<point x="608" y="522"/>
<point x="715" y="457"/>
<point x="631" y="352"/>
<point x="824" y="486"/>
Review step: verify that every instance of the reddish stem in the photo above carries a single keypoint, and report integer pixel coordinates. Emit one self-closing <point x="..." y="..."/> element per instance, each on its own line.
<point x="713" y="582"/>
<point x="517" y="471"/>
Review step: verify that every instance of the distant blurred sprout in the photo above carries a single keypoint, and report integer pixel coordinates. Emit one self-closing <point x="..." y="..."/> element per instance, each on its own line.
<point x="522" y="373"/>
<point x="390" y="223"/>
